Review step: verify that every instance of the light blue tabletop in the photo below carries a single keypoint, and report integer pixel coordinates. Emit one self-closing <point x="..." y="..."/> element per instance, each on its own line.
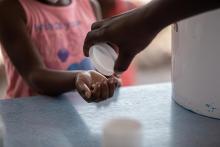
<point x="68" y="121"/>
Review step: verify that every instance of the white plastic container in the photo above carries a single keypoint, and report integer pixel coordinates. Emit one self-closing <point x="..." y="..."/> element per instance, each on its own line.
<point x="196" y="64"/>
<point x="122" y="132"/>
<point x="103" y="57"/>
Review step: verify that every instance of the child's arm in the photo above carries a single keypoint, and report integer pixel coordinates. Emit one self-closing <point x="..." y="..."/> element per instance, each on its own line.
<point x="96" y="9"/>
<point x="27" y="61"/>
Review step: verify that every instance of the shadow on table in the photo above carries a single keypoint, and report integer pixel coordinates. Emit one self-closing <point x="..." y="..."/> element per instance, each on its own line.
<point x="189" y="129"/>
<point x="44" y="123"/>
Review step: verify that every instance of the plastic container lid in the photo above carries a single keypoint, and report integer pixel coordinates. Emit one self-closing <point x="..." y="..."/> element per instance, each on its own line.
<point x="103" y="57"/>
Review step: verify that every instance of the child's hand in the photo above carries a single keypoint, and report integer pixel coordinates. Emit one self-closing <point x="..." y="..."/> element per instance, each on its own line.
<point x="94" y="87"/>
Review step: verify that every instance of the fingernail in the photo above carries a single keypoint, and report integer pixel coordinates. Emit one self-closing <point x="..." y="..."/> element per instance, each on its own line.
<point x="87" y="94"/>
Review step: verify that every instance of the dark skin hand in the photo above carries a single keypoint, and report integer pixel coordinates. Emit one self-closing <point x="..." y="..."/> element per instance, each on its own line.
<point x="133" y="31"/>
<point x="16" y="41"/>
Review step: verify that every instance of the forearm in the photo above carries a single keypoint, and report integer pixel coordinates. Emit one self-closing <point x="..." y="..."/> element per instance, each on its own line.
<point x="165" y="12"/>
<point x="96" y="9"/>
<point x="52" y="82"/>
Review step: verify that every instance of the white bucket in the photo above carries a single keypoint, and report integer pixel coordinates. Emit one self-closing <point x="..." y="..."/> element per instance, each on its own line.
<point x="196" y="64"/>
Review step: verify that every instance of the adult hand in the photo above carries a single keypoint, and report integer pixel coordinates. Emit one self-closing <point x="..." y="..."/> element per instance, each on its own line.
<point x="128" y="32"/>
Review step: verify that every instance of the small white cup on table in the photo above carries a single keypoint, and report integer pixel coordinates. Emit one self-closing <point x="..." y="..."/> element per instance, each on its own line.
<point x="122" y="132"/>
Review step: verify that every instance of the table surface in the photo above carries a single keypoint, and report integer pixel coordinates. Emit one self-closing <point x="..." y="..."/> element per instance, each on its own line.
<point x="68" y="121"/>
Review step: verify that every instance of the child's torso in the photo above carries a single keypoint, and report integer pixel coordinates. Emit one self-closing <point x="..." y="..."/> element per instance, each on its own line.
<point x="58" y="34"/>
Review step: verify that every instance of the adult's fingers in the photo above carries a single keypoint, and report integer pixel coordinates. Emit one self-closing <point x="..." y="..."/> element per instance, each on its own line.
<point x="93" y="37"/>
<point x="96" y="25"/>
<point x="123" y="62"/>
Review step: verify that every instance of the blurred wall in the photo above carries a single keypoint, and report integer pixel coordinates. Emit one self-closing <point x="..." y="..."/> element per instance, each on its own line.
<point x="141" y="1"/>
<point x="158" y="52"/>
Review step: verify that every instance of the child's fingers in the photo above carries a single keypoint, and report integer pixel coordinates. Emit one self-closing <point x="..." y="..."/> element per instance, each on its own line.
<point x="84" y="91"/>
<point x="96" y="92"/>
<point x="117" y="81"/>
<point x="104" y="91"/>
<point x="111" y="85"/>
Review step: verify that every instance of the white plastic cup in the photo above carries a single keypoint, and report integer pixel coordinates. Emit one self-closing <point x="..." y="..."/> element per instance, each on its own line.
<point x="103" y="57"/>
<point x="122" y="132"/>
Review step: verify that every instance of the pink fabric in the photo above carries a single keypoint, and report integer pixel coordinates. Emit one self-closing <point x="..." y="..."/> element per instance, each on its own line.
<point x="120" y="7"/>
<point x="58" y="32"/>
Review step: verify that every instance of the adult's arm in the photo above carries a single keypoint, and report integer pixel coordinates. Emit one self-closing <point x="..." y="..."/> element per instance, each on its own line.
<point x="133" y="31"/>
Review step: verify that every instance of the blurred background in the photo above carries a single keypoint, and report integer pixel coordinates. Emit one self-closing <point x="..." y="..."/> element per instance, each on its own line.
<point x="150" y="66"/>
